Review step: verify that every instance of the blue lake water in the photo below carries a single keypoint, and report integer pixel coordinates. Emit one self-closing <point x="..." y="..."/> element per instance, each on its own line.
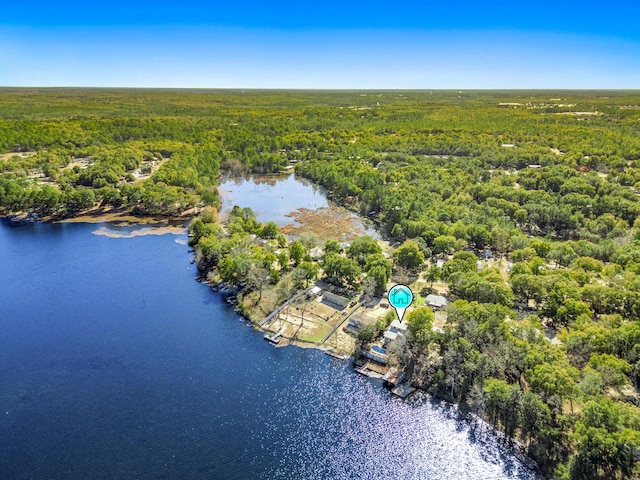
<point x="116" y="364"/>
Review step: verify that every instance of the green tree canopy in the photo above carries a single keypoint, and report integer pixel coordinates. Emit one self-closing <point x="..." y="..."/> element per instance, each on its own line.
<point x="408" y="255"/>
<point x="361" y="248"/>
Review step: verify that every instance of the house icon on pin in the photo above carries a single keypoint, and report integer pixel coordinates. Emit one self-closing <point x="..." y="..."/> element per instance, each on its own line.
<point x="400" y="297"/>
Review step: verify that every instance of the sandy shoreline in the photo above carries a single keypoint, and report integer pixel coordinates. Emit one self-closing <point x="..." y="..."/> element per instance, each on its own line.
<point x="121" y="219"/>
<point x="117" y="224"/>
<point x="140" y="232"/>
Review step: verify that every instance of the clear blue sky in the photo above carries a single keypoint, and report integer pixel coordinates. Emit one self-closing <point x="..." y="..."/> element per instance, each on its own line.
<point x="331" y="44"/>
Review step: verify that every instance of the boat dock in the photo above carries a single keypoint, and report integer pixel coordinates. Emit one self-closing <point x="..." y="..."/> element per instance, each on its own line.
<point x="404" y="390"/>
<point x="274" y="337"/>
<point x="367" y="372"/>
<point x="339" y="356"/>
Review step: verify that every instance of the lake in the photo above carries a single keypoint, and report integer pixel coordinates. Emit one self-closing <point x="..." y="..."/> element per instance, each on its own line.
<point x="116" y="364"/>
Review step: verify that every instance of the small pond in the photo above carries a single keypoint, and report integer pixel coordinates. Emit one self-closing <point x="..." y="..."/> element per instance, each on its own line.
<point x="295" y="205"/>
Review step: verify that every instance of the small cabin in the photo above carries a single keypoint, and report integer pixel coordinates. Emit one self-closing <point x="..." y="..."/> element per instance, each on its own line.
<point x="393" y="377"/>
<point x="436" y="301"/>
<point x="336" y="301"/>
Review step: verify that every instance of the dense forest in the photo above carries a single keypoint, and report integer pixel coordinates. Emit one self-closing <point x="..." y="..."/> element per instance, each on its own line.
<point x="547" y="349"/>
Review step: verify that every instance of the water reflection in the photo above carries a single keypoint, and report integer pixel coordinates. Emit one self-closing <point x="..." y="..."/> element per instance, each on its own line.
<point x="295" y="203"/>
<point x="349" y="428"/>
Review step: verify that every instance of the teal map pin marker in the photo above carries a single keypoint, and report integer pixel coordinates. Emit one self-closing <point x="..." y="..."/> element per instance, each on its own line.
<point x="400" y="297"/>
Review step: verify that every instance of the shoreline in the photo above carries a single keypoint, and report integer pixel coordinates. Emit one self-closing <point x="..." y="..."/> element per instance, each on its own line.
<point x="357" y="361"/>
<point x="114" y="221"/>
<point x="149" y="229"/>
<point x="103" y="215"/>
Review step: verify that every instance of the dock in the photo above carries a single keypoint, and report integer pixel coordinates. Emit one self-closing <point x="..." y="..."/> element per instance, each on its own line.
<point x="404" y="390"/>
<point x="274" y="337"/>
<point x="367" y="372"/>
<point x="339" y="356"/>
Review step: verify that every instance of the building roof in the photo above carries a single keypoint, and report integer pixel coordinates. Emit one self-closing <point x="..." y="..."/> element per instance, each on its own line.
<point x="393" y="376"/>
<point x="314" y="291"/>
<point x="436" y="300"/>
<point x="390" y="335"/>
<point x="335" y="299"/>
<point x="398" y="325"/>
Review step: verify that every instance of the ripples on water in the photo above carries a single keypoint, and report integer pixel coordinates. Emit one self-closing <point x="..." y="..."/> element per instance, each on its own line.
<point x="341" y="426"/>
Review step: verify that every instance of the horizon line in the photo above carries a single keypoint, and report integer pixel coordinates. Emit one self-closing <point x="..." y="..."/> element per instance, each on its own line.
<point x="327" y="89"/>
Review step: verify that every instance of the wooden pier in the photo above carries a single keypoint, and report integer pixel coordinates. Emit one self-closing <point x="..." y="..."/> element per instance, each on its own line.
<point x="339" y="356"/>
<point x="404" y="390"/>
<point x="274" y="337"/>
<point x="368" y="372"/>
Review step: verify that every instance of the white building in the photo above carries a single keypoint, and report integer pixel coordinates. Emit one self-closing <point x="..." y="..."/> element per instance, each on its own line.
<point x="436" y="301"/>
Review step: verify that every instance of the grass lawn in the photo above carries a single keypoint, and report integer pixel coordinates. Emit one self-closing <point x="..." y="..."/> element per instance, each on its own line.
<point x="316" y="336"/>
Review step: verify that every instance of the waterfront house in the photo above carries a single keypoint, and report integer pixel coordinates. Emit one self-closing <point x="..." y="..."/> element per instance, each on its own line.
<point x="398" y="327"/>
<point x="397" y="331"/>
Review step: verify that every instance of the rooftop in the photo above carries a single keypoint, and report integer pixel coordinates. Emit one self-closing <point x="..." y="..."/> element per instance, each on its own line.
<point x="436" y="301"/>
<point x="398" y="325"/>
